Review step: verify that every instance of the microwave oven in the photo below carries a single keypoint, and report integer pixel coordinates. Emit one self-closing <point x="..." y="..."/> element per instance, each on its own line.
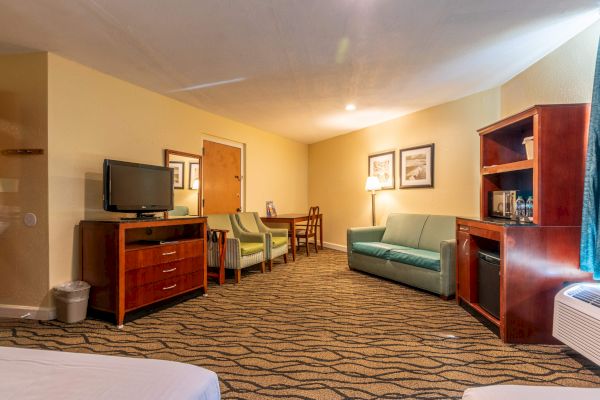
<point x="503" y="203"/>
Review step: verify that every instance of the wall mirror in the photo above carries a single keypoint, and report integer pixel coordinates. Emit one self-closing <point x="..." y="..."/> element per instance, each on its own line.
<point x="187" y="182"/>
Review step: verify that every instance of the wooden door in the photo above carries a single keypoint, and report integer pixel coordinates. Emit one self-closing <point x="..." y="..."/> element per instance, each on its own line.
<point x="222" y="168"/>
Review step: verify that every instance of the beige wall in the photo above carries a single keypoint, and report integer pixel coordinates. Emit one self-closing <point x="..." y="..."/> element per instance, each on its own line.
<point x="564" y="76"/>
<point x="93" y="116"/>
<point x="23" y="180"/>
<point x="338" y="167"/>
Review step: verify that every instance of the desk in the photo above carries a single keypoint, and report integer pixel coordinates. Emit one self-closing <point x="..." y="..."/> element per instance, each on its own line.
<point x="291" y="220"/>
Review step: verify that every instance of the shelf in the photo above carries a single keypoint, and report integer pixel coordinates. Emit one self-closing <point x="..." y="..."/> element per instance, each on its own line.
<point x="509" y="167"/>
<point x="145" y="244"/>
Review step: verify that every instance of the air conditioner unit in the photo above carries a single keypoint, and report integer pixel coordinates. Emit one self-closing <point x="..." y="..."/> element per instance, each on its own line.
<point x="577" y="319"/>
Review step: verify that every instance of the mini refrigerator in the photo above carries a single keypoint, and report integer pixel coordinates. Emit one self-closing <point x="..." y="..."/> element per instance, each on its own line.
<point x="488" y="282"/>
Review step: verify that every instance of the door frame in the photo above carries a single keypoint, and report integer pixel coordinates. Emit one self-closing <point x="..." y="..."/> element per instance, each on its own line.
<point x="232" y="143"/>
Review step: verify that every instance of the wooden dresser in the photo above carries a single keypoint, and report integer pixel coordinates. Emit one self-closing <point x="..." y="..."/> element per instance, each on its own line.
<point x="132" y="264"/>
<point x="536" y="259"/>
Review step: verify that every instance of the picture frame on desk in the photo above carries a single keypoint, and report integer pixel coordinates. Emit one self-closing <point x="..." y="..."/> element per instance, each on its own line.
<point x="271" y="211"/>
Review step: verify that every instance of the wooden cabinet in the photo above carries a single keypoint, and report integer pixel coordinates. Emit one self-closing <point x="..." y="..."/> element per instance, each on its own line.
<point x="132" y="264"/>
<point x="536" y="259"/>
<point x="555" y="174"/>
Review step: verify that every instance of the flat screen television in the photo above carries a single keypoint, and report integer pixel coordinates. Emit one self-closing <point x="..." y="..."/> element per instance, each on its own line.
<point x="137" y="188"/>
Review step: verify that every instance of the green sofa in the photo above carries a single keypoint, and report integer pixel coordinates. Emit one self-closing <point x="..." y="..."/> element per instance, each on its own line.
<point x="414" y="249"/>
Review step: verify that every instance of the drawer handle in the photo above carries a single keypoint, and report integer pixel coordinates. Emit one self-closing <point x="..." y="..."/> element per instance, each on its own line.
<point x="169" y="253"/>
<point x="170" y="270"/>
<point x="463" y="228"/>
<point x="170" y="287"/>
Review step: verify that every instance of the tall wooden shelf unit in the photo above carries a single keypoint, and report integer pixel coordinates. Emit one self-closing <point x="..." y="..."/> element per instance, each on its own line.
<point x="536" y="259"/>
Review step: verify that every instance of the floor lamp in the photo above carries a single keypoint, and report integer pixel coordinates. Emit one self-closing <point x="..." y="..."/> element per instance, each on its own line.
<point x="372" y="185"/>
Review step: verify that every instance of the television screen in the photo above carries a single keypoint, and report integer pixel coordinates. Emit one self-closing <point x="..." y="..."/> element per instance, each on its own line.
<point x="139" y="188"/>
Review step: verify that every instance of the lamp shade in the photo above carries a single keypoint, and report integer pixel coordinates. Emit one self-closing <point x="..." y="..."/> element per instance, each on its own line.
<point x="372" y="183"/>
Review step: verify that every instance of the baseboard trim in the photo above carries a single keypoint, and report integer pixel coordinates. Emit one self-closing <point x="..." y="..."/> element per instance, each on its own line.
<point x="334" y="246"/>
<point x="27" y="312"/>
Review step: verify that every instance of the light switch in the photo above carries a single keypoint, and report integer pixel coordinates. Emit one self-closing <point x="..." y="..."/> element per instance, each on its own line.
<point x="30" y="219"/>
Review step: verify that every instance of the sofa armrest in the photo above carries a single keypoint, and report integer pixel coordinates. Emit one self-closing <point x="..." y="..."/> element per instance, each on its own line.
<point x="252" y="237"/>
<point x="367" y="234"/>
<point x="278" y="232"/>
<point x="448" y="265"/>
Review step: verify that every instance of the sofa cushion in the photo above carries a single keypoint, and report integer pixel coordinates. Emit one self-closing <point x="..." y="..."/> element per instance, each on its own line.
<point x="437" y="228"/>
<point x="249" y="248"/>
<point x="375" y="249"/>
<point x="279" y="241"/>
<point x="404" y="229"/>
<point x="417" y="257"/>
<point x="220" y="221"/>
<point x="248" y="221"/>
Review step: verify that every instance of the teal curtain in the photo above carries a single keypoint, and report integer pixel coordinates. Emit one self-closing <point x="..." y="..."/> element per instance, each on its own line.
<point x="590" y="244"/>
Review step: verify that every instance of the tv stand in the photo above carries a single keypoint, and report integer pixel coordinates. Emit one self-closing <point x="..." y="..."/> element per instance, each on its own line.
<point x="141" y="216"/>
<point x="133" y="264"/>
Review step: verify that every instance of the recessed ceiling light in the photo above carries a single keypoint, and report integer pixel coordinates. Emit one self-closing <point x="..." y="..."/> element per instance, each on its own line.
<point x="350" y="107"/>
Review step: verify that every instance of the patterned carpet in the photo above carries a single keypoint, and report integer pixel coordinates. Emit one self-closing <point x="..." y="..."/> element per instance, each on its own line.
<point x="316" y="330"/>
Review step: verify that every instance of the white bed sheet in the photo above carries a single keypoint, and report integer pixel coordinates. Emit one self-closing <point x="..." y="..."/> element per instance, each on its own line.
<point x="40" y="374"/>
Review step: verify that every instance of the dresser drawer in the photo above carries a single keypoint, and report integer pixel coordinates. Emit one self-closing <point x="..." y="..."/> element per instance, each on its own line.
<point x="155" y="273"/>
<point x="155" y="255"/>
<point x="141" y="295"/>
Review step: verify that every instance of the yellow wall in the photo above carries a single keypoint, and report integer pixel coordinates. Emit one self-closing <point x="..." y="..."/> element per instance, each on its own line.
<point x="564" y="76"/>
<point x="23" y="180"/>
<point x="338" y="167"/>
<point x="93" y="116"/>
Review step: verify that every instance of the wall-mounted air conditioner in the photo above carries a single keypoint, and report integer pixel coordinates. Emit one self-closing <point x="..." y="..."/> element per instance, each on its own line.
<point x="577" y="319"/>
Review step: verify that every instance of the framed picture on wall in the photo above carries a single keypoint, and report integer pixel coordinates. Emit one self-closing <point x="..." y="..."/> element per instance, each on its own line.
<point x="416" y="167"/>
<point x="194" y="176"/>
<point x="383" y="166"/>
<point x="178" y="174"/>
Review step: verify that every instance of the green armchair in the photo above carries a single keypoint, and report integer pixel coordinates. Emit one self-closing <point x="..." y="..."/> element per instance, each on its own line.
<point x="243" y="249"/>
<point x="277" y="239"/>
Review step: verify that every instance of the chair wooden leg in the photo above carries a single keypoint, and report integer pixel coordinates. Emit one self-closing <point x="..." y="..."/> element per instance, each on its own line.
<point x="306" y="244"/>
<point x="316" y="247"/>
<point x="270" y="265"/>
<point x="238" y="275"/>
<point x="285" y="258"/>
<point x="262" y="267"/>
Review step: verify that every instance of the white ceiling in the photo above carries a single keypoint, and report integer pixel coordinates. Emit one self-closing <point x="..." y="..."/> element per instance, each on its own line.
<point x="290" y="66"/>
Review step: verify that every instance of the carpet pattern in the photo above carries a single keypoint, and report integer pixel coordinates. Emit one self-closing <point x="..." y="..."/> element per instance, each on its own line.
<point x="313" y="329"/>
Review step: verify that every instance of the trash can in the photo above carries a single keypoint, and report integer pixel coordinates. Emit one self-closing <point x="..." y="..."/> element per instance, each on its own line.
<point x="71" y="301"/>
